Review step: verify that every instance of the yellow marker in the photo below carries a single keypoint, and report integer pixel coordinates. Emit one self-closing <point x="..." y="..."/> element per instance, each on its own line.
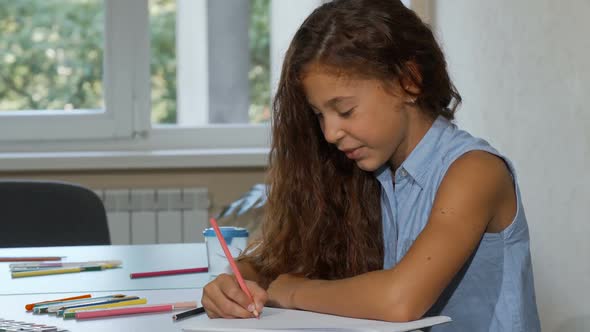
<point x="70" y="313"/>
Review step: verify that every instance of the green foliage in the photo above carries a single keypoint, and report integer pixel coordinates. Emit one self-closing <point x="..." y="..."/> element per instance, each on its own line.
<point x="51" y="56"/>
<point x="163" y="62"/>
<point x="259" y="75"/>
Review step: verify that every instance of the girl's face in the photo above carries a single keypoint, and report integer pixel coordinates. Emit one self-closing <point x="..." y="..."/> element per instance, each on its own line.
<point x="367" y="121"/>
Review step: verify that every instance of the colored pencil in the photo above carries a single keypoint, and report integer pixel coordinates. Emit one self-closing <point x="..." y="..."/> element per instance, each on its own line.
<point x="45" y="265"/>
<point x="43" y="308"/>
<point x="60" y="309"/>
<point x="167" y="272"/>
<point x="30" y="259"/>
<point x="45" y="272"/>
<point x="71" y="313"/>
<point x="232" y="263"/>
<point x="135" y="310"/>
<point x="190" y="313"/>
<point x="30" y="306"/>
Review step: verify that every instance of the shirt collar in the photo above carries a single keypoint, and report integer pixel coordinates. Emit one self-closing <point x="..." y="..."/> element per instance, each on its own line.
<point x="420" y="158"/>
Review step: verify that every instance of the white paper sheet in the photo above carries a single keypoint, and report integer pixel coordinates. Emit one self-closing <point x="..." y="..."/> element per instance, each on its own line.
<point x="282" y="320"/>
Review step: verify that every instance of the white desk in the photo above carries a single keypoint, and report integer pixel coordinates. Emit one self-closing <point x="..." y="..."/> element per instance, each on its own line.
<point x="16" y="293"/>
<point x="135" y="258"/>
<point x="12" y="307"/>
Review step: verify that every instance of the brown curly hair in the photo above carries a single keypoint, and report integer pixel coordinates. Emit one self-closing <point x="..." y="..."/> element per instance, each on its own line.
<point x="323" y="216"/>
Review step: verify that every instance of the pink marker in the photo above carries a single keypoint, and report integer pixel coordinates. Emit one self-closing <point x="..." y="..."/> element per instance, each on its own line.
<point x="232" y="263"/>
<point x="140" y="309"/>
<point x="30" y="259"/>
<point x="168" y="272"/>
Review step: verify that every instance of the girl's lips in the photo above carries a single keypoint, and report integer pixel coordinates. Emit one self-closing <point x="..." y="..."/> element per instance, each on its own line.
<point x="352" y="154"/>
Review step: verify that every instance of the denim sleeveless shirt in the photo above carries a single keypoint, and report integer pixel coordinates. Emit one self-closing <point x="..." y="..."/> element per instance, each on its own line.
<point x="494" y="290"/>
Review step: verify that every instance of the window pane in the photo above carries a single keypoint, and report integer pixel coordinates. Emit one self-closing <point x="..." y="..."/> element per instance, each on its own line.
<point x="163" y="60"/>
<point x="259" y="73"/>
<point x="210" y="61"/>
<point x="52" y="53"/>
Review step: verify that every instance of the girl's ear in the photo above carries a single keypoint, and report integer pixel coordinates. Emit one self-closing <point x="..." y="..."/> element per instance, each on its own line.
<point x="411" y="78"/>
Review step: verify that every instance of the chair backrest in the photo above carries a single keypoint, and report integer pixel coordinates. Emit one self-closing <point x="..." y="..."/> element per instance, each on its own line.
<point x="50" y="213"/>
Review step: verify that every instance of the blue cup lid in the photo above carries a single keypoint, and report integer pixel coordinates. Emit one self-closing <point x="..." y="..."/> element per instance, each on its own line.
<point x="227" y="232"/>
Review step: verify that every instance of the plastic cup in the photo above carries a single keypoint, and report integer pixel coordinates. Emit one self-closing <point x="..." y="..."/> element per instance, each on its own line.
<point x="236" y="239"/>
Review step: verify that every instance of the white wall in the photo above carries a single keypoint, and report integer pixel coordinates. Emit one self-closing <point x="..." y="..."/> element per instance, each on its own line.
<point x="523" y="68"/>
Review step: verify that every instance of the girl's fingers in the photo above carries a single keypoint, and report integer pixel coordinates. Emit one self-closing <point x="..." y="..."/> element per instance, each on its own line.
<point x="223" y="297"/>
<point x="210" y="307"/>
<point x="259" y="294"/>
<point x="230" y="287"/>
<point x="230" y="309"/>
<point x="234" y="302"/>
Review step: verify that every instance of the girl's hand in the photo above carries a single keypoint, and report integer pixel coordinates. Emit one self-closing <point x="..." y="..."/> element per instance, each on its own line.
<point x="281" y="292"/>
<point x="223" y="298"/>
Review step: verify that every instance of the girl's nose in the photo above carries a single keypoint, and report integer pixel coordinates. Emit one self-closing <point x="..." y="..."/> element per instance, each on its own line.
<point x="332" y="130"/>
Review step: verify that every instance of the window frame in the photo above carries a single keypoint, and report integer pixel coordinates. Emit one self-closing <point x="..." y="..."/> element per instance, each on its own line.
<point x="125" y="123"/>
<point x="112" y="122"/>
<point x="122" y="137"/>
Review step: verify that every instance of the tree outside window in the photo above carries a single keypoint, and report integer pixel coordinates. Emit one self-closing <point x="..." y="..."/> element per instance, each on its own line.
<point x="52" y="57"/>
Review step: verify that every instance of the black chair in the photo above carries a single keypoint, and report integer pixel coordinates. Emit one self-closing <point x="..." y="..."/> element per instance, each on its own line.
<point x="50" y="213"/>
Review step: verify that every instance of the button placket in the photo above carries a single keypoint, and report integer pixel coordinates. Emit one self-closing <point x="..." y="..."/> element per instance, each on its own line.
<point x="390" y="228"/>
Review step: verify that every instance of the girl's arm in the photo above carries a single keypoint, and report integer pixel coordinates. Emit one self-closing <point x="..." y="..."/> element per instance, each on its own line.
<point x="475" y="188"/>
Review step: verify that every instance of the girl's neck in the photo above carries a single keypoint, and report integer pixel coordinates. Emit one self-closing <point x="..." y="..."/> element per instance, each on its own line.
<point x="419" y="124"/>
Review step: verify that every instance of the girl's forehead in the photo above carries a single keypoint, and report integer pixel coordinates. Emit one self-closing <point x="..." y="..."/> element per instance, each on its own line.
<point x="345" y="77"/>
<point x="336" y="73"/>
<point x="331" y="77"/>
<point x="321" y="81"/>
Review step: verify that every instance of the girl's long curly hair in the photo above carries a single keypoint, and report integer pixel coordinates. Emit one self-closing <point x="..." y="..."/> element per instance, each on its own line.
<point x="323" y="215"/>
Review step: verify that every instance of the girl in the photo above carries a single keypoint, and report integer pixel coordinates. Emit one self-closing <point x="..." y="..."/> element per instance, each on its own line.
<point x="379" y="207"/>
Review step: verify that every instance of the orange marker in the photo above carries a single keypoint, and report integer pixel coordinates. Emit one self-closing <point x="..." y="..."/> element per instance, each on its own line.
<point x="30" y="306"/>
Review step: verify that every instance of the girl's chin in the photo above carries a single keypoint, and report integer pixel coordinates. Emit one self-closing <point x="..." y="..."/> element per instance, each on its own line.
<point x="367" y="165"/>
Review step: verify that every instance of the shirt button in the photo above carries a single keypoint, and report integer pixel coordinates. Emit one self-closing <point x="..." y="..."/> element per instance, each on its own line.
<point x="403" y="173"/>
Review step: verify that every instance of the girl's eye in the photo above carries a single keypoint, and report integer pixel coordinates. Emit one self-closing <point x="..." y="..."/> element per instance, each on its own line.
<point x="319" y="115"/>
<point x="347" y="113"/>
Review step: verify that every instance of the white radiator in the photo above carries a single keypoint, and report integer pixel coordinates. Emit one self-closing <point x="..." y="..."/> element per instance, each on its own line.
<point x="145" y="216"/>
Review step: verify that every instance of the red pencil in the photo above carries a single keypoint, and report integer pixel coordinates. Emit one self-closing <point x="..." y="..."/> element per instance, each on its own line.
<point x="167" y="272"/>
<point x="29" y="259"/>
<point x="232" y="263"/>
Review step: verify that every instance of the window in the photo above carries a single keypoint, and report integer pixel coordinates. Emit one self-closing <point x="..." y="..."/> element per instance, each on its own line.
<point x="135" y="74"/>
<point x="52" y="55"/>
<point x="155" y="76"/>
<point x="51" y="84"/>
<point x="238" y="39"/>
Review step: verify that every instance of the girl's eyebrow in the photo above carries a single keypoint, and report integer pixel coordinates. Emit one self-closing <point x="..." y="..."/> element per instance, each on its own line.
<point x="333" y="102"/>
